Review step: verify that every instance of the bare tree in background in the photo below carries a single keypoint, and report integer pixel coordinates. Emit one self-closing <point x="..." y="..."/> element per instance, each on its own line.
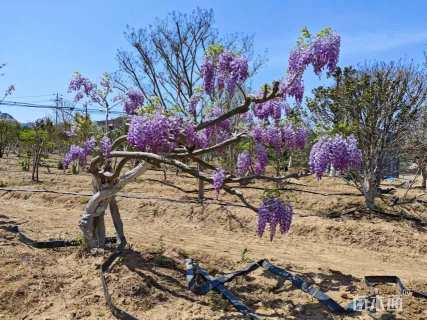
<point x="10" y="89"/>
<point x="164" y="62"/>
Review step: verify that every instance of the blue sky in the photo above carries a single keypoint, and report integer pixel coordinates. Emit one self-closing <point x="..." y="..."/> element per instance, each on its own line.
<point x="44" y="42"/>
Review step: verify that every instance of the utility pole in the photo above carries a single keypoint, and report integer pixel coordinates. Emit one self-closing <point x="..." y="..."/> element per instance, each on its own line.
<point x="57" y="108"/>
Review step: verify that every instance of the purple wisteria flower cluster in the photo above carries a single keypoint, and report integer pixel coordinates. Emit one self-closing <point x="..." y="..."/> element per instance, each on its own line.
<point x="218" y="179"/>
<point x="271" y="108"/>
<point x="134" y="100"/>
<point x="244" y="163"/>
<point x="83" y="88"/>
<point x="341" y="153"/>
<point x="220" y="131"/>
<point x="261" y="158"/>
<point x="193" y="103"/>
<point x="320" y="52"/>
<point x="153" y="133"/>
<point x="280" y="137"/>
<point x="106" y="146"/>
<point x="194" y="138"/>
<point x="226" y="69"/>
<point x="274" y="212"/>
<point x="79" y="153"/>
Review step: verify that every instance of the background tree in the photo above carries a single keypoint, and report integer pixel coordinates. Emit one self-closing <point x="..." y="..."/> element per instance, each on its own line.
<point x="415" y="145"/>
<point x="379" y="105"/>
<point x="9" y="132"/>
<point x="10" y="89"/>
<point x="165" y="61"/>
<point x="35" y="143"/>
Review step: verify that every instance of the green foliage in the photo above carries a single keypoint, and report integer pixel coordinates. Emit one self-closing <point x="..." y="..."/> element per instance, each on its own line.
<point x="244" y="256"/>
<point x="25" y="161"/>
<point x="214" y="50"/>
<point x="9" y="131"/>
<point x="84" y="125"/>
<point x="271" y="193"/>
<point x="306" y="37"/>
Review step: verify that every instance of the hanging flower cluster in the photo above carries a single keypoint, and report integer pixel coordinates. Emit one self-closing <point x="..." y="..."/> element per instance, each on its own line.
<point x="261" y="158"/>
<point x="79" y="153"/>
<point x="135" y="99"/>
<point x="244" y="163"/>
<point x="271" y="108"/>
<point x="274" y="212"/>
<point x="218" y="179"/>
<point x="106" y="146"/>
<point x="280" y="137"/>
<point x="194" y="138"/>
<point x="220" y="131"/>
<point x="226" y="69"/>
<point x="343" y="154"/>
<point x="153" y="133"/>
<point x="83" y="88"/>
<point x="193" y="103"/>
<point x="320" y="52"/>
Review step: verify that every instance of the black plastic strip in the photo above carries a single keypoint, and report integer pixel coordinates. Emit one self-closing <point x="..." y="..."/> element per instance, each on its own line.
<point x="193" y="270"/>
<point x="373" y="280"/>
<point x="301" y="284"/>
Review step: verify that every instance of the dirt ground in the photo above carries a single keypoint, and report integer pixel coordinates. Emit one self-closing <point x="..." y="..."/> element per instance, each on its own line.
<point x="330" y="243"/>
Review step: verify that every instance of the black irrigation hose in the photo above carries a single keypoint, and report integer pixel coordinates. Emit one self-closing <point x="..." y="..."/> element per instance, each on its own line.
<point x="49" y="244"/>
<point x="200" y="282"/>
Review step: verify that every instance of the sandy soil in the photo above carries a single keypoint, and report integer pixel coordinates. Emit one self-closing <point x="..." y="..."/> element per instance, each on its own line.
<point x="329" y="244"/>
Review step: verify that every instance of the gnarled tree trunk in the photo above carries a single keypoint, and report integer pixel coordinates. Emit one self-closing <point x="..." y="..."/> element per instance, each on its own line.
<point x="92" y="222"/>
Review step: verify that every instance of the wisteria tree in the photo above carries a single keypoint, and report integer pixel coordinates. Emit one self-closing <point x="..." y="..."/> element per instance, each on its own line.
<point x="180" y="139"/>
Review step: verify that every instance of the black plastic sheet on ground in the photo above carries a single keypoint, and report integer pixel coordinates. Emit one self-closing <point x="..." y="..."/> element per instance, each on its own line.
<point x="200" y="282"/>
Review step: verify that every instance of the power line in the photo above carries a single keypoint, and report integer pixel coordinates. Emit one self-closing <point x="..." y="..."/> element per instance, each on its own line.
<point x="56" y="107"/>
<point x="36" y="96"/>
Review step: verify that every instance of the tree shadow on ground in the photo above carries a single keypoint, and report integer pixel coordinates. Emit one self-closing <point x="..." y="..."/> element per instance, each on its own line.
<point x="5" y="220"/>
<point x="360" y="212"/>
<point x="153" y="268"/>
<point x="167" y="275"/>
